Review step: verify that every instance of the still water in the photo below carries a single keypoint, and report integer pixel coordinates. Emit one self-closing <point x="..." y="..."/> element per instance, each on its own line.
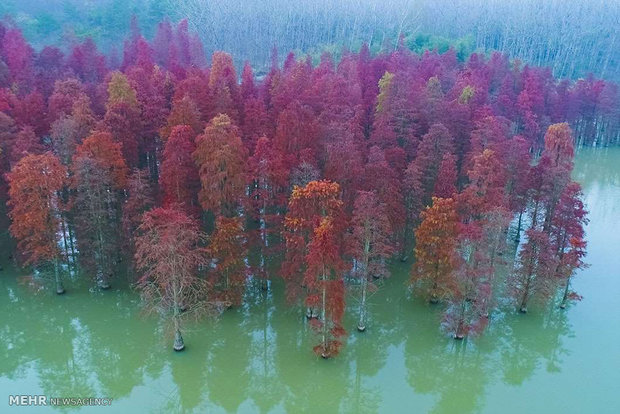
<point x="258" y="358"/>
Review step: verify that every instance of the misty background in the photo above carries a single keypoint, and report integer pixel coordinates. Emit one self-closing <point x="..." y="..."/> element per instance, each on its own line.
<point x="574" y="37"/>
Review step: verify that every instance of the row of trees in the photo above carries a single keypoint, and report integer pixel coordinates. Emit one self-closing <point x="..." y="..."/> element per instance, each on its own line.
<point x="326" y="172"/>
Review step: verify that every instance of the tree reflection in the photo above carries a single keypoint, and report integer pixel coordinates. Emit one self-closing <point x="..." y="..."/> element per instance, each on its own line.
<point x="458" y="372"/>
<point x="528" y="343"/>
<point x="258" y="356"/>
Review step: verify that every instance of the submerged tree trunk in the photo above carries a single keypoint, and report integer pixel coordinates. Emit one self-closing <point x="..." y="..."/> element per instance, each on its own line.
<point x="460" y="331"/>
<point x="526" y="290"/>
<point x="59" y="287"/>
<point x="324" y="353"/>
<point x="565" y="296"/>
<point x="102" y="281"/>
<point x="523" y="305"/>
<point x="179" y="345"/>
<point x="72" y="245"/>
<point x="434" y="299"/>
<point x="361" y="324"/>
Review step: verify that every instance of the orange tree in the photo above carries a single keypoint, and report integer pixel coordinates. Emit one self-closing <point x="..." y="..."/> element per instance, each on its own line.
<point x="34" y="183"/>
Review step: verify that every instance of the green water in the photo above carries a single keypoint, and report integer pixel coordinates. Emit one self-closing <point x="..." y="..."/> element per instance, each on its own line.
<point x="258" y="358"/>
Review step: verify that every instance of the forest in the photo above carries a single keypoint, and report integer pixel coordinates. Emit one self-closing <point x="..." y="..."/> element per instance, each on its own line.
<point x="201" y="181"/>
<point x="573" y="37"/>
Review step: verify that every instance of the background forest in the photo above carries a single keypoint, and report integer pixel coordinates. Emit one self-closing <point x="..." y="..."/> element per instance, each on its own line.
<point x="573" y="37"/>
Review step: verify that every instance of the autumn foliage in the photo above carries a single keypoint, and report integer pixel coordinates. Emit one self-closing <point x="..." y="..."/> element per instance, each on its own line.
<point x="328" y="171"/>
<point x="34" y="184"/>
<point x="220" y="157"/>
<point x="435" y="251"/>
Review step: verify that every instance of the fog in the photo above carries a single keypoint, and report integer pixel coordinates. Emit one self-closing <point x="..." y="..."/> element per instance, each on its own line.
<point x="574" y="37"/>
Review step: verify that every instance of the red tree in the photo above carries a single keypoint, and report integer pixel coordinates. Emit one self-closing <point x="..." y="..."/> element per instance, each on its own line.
<point x="167" y="255"/>
<point x="422" y="174"/>
<point x="267" y="196"/>
<point x="220" y="157"/>
<point x="471" y="288"/>
<point x="122" y="118"/>
<point x="534" y="276"/>
<point x="65" y="94"/>
<point x="486" y="190"/>
<point x="558" y="153"/>
<point x="99" y="174"/>
<point x="26" y="142"/>
<point x="370" y="246"/>
<point x="516" y="158"/>
<point x="297" y="134"/>
<point x="380" y="177"/>
<point x="435" y="251"/>
<point x="223" y="86"/>
<point x="227" y="251"/>
<point x="394" y="122"/>
<point x="179" y="176"/>
<point x="18" y="56"/>
<point x="69" y="130"/>
<point x="184" y="112"/>
<point x="307" y="206"/>
<point x="445" y="186"/>
<point x="140" y="200"/>
<point x="324" y="282"/>
<point x="345" y="166"/>
<point x="34" y="208"/>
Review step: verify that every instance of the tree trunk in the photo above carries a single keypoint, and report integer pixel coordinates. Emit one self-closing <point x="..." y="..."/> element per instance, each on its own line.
<point x="459" y="334"/>
<point x="179" y="345"/>
<point x="526" y="291"/>
<point x="324" y="353"/>
<point x="102" y="278"/>
<point x="434" y="299"/>
<point x="361" y="325"/>
<point x="565" y="296"/>
<point x="523" y="306"/>
<point x="59" y="287"/>
<point x="518" y="236"/>
<point x="72" y="246"/>
<point x="102" y="281"/>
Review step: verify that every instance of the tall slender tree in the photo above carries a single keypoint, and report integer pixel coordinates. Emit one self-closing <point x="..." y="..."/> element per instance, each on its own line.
<point x="534" y="276"/>
<point x="370" y="246"/>
<point x="435" y="251"/>
<point x="99" y="173"/>
<point x="568" y="237"/>
<point x="324" y="282"/>
<point x="307" y="206"/>
<point x="34" y="208"/>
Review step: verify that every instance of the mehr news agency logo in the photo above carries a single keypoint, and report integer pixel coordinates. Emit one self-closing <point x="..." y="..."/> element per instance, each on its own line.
<point x="43" y="400"/>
